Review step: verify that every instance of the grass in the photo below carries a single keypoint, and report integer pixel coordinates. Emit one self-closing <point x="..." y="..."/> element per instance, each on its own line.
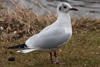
<point x="83" y="50"/>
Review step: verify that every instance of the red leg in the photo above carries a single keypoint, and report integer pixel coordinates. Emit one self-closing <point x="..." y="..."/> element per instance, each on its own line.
<point x="51" y="57"/>
<point x="57" y="59"/>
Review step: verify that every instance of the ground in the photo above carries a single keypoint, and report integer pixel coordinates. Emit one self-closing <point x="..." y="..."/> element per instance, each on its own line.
<point x="83" y="50"/>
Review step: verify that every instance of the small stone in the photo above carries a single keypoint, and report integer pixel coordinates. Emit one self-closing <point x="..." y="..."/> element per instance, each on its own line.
<point x="11" y="59"/>
<point x="15" y="32"/>
<point x="1" y="28"/>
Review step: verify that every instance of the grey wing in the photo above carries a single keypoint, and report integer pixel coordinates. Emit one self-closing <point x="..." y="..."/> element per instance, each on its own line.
<point x="52" y="38"/>
<point x="54" y="41"/>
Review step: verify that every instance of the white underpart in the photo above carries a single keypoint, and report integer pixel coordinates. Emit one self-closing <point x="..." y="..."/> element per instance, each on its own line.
<point x="51" y="37"/>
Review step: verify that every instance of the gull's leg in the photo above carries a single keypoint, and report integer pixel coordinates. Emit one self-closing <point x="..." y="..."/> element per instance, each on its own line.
<point x="57" y="62"/>
<point x="51" y="57"/>
<point x="56" y="58"/>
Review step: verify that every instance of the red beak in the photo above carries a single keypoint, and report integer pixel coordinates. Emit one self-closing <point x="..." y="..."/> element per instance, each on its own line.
<point x="74" y="9"/>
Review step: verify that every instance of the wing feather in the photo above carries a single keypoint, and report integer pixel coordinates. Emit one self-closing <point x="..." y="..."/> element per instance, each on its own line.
<point x="51" y="38"/>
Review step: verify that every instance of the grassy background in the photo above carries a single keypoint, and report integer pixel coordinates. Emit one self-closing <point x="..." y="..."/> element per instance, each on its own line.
<point x="83" y="50"/>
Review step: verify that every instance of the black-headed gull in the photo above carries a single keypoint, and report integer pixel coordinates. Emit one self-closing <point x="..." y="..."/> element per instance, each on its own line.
<point x="51" y="37"/>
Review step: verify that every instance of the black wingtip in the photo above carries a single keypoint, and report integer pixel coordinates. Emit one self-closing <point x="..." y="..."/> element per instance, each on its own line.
<point x="9" y="48"/>
<point x="22" y="46"/>
<point x="13" y="47"/>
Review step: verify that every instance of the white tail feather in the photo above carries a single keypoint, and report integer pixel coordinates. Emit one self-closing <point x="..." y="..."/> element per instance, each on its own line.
<point x="26" y="50"/>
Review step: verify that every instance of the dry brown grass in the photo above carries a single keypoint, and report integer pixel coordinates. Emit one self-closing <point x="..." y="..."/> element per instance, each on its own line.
<point x="23" y="23"/>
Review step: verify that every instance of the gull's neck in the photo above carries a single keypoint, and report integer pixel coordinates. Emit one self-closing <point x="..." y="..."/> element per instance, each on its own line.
<point x="64" y="20"/>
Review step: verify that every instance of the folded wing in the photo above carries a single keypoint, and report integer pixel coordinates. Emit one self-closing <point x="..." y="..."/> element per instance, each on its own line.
<point x="52" y="38"/>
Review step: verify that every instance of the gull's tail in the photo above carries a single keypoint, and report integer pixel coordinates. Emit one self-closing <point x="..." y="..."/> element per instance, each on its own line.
<point x="22" y="46"/>
<point x="26" y="50"/>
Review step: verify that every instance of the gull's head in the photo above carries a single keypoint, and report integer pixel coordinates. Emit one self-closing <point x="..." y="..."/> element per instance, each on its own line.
<point x="65" y="8"/>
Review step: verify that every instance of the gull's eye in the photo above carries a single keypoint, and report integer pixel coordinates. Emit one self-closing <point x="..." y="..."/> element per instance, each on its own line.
<point x="65" y="6"/>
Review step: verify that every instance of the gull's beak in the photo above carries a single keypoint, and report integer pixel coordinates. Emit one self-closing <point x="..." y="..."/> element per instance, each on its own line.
<point x="74" y="9"/>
